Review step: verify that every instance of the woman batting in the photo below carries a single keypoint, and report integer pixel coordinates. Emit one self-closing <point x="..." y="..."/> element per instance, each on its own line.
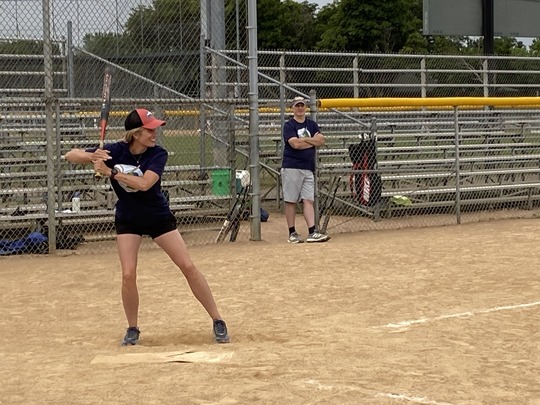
<point x="134" y="166"/>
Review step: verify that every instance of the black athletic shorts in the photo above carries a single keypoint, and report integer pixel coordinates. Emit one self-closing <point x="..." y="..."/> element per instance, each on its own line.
<point x="153" y="228"/>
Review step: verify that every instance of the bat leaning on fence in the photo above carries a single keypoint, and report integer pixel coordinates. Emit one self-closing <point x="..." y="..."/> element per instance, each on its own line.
<point x="234" y="217"/>
<point x="105" y="109"/>
<point x="327" y="208"/>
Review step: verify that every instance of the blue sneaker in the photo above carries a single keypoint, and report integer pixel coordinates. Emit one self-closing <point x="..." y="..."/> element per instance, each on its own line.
<point x="132" y="336"/>
<point x="220" y="332"/>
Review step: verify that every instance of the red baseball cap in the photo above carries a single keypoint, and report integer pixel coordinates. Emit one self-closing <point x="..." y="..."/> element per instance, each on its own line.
<point x="142" y="118"/>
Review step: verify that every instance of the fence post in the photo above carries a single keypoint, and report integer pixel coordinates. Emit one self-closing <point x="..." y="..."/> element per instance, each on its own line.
<point x="49" y="124"/>
<point x="202" y="91"/>
<point x="458" y="175"/>
<point x="356" y="79"/>
<point x="253" y="92"/>
<point x="70" y="69"/>
<point x="423" y="77"/>
<point x="58" y="156"/>
<point x="313" y="116"/>
<point x="282" y="109"/>
<point x="485" y="77"/>
<point x="282" y="95"/>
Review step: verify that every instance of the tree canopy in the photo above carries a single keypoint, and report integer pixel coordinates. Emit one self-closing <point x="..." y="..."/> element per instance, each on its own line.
<point x="369" y="26"/>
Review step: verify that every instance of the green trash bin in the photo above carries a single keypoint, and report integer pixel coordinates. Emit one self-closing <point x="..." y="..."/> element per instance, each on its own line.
<point x="221" y="180"/>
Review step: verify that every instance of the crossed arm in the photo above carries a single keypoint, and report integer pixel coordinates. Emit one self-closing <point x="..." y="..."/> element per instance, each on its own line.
<point x="305" y="143"/>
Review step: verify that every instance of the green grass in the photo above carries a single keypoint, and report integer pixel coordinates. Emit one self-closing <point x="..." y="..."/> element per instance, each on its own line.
<point x="186" y="150"/>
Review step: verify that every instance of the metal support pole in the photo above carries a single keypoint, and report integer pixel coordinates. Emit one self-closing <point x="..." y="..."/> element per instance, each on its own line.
<point x="485" y="77"/>
<point x="70" y="65"/>
<point x="488" y="31"/>
<point x="49" y="123"/>
<point x="282" y="95"/>
<point x="423" y="78"/>
<point x="458" y="174"/>
<point x="202" y="86"/>
<point x="313" y="116"/>
<point x="356" y="78"/>
<point x="282" y="119"/>
<point x="488" y="26"/>
<point x="231" y="139"/>
<point x="58" y="157"/>
<point x="254" y="122"/>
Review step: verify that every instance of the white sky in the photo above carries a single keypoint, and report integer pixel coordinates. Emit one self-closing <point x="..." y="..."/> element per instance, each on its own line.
<point x="319" y="2"/>
<point x="23" y="18"/>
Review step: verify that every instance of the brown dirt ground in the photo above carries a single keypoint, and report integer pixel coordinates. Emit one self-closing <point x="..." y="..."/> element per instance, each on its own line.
<point x="446" y="315"/>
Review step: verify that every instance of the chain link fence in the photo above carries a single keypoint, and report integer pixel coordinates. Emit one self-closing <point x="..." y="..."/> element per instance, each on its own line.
<point x="428" y="167"/>
<point x="394" y="165"/>
<point x="187" y="61"/>
<point x="53" y="59"/>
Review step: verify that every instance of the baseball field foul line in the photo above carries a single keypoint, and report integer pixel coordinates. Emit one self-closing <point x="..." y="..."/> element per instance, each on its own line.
<point x="418" y="400"/>
<point x="406" y="324"/>
<point x="165" y="357"/>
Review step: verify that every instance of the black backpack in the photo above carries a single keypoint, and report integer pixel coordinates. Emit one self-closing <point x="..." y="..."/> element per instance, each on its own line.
<point x="365" y="182"/>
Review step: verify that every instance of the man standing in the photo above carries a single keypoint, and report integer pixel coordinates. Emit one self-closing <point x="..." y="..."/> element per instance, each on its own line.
<point x="300" y="138"/>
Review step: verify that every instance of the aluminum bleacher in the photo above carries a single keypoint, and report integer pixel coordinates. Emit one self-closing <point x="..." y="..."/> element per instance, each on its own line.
<point x="25" y="183"/>
<point x="494" y="158"/>
<point x="488" y="162"/>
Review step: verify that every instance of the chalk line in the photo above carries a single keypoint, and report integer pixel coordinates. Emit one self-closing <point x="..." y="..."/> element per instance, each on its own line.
<point x="418" y="400"/>
<point x="406" y="324"/>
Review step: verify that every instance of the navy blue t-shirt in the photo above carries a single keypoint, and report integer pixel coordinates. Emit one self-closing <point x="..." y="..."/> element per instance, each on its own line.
<point x="141" y="205"/>
<point x="299" y="158"/>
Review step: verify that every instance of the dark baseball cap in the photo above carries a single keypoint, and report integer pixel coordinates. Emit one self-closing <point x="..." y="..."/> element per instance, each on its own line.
<point x="142" y="118"/>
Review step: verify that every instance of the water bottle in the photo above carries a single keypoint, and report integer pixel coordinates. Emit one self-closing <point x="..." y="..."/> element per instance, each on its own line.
<point x="76" y="202"/>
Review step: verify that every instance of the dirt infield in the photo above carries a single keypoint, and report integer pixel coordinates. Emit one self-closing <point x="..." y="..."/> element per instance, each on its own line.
<point x="447" y="315"/>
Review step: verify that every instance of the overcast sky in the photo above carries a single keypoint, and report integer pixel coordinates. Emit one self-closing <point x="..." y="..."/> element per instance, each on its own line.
<point x="22" y="19"/>
<point x="322" y="2"/>
<point x="319" y="2"/>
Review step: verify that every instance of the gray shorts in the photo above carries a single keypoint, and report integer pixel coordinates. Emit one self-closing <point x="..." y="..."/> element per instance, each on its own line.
<point x="298" y="185"/>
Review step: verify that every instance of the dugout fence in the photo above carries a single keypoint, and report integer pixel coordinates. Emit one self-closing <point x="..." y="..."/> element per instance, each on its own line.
<point x="440" y="161"/>
<point x="199" y="179"/>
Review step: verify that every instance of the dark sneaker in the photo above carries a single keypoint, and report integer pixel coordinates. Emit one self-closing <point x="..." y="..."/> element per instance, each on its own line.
<point x="317" y="237"/>
<point x="132" y="336"/>
<point x="220" y="331"/>
<point x="294" y="238"/>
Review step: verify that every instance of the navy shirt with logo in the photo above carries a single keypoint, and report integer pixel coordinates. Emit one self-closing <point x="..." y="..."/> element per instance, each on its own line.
<point x="141" y="205"/>
<point x="299" y="158"/>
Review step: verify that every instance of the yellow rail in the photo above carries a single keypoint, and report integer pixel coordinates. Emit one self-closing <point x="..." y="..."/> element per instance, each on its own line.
<point x="427" y="102"/>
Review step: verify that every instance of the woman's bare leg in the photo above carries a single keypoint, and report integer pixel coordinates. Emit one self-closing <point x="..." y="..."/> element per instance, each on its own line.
<point x="173" y="244"/>
<point x="128" y="249"/>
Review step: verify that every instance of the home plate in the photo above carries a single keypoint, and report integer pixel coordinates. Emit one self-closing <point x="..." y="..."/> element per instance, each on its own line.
<point x="164" y="357"/>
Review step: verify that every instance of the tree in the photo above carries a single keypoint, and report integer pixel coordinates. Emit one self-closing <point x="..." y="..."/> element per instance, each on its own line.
<point x="166" y="26"/>
<point x="286" y="25"/>
<point x="371" y="25"/>
<point x="328" y="27"/>
<point x="160" y="42"/>
<point x="25" y="47"/>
